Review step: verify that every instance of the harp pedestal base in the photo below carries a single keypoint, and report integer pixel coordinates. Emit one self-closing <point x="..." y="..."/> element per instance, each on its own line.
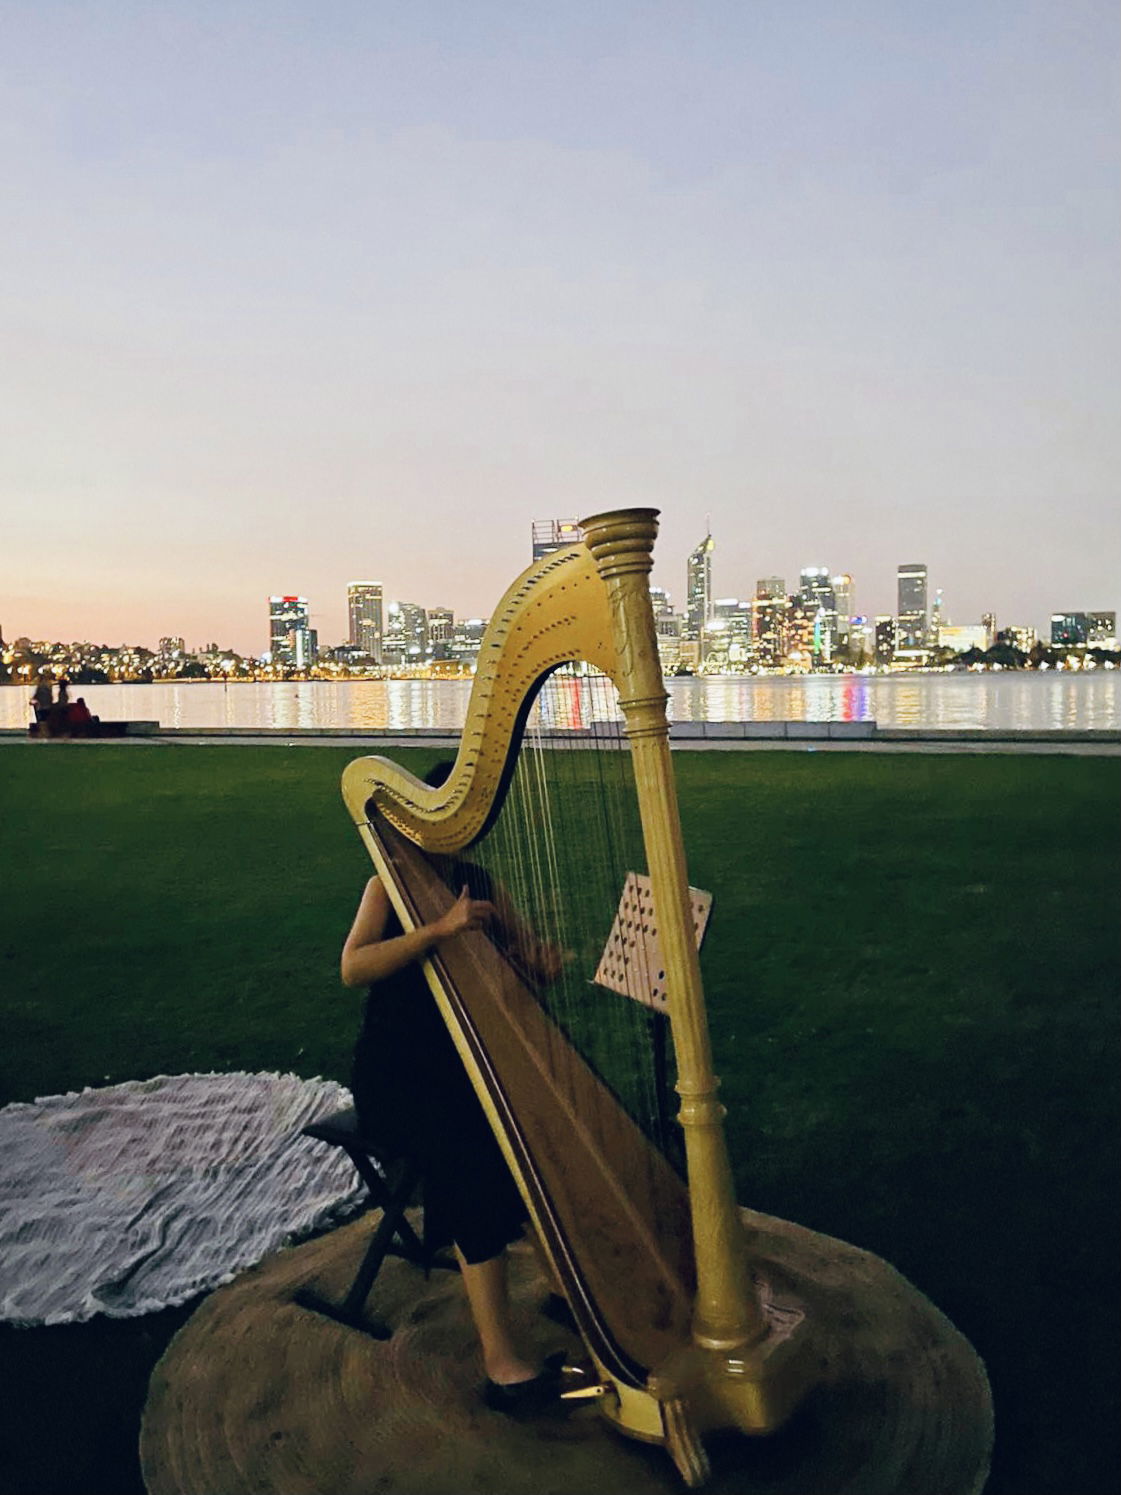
<point x="256" y="1395"/>
<point x="754" y="1390"/>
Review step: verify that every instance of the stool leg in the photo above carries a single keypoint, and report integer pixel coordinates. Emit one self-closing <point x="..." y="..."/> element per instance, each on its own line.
<point x="412" y="1247"/>
<point x="371" y="1263"/>
<point x="392" y="1223"/>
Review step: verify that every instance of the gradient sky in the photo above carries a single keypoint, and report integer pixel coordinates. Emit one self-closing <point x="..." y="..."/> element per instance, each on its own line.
<point x="300" y="294"/>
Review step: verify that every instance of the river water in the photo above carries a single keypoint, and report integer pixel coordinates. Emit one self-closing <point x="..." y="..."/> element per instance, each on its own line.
<point x="997" y="702"/>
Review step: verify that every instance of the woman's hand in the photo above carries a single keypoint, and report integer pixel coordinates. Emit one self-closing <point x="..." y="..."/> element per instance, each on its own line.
<point x="368" y="957"/>
<point x="465" y="913"/>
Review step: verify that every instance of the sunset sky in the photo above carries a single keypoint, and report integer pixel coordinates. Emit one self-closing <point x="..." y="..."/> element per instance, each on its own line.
<point x="295" y="295"/>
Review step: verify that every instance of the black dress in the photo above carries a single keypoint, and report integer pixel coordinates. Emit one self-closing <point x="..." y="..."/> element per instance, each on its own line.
<point x="413" y="1096"/>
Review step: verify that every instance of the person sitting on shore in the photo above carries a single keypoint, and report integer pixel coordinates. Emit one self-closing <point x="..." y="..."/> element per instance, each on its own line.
<point x="79" y="719"/>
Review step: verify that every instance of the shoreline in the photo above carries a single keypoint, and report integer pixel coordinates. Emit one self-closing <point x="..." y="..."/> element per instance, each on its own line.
<point x="829" y="736"/>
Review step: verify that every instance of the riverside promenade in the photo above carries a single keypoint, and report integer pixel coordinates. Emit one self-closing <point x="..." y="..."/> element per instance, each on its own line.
<point x="793" y="736"/>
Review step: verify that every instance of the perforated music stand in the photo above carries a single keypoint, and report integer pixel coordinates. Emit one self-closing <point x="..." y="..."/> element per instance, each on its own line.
<point x="632" y="966"/>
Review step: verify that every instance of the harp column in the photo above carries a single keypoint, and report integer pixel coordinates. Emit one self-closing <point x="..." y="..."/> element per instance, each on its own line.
<point x="727" y="1317"/>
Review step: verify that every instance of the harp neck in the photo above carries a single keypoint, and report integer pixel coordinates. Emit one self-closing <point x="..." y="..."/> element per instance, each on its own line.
<point x="559" y="610"/>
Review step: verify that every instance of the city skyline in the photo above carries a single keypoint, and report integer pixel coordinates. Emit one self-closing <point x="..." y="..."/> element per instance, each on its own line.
<point x="312" y="612"/>
<point x="292" y="297"/>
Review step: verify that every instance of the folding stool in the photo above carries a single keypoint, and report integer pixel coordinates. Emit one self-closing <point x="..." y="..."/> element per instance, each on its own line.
<point x="391" y="1184"/>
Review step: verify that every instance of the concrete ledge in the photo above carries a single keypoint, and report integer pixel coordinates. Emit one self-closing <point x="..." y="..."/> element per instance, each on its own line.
<point x="803" y="730"/>
<point x="309" y="732"/>
<point x="609" y="733"/>
<point x="996" y="734"/>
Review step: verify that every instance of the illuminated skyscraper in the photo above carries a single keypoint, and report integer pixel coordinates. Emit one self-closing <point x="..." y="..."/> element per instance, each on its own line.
<point x="843" y="589"/>
<point x="730" y="632"/>
<point x="934" y="626"/>
<point x="885" y="635"/>
<point x="1101" y="629"/>
<point x="292" y="640"/>
<point x="441" y="632"/>
<point x="768" y="622"/>
<point x="1069" y="628"/>
<point x="861" y="642"/>
<point x="364" y="610"/>
<point x="818" y="598"/>
<point x="660" y="601"/>
<point x="911" y="610"/>
<point x="698" y="589"/>
<point x="405" y="640"/>
<point x="801" y="627"/>
<point x="551" y="534"/>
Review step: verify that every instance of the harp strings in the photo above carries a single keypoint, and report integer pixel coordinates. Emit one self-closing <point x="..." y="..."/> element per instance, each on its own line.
<point x="558" y="856"/>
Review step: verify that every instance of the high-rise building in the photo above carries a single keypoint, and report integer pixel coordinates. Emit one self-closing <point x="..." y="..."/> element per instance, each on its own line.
<point x="937" y="619"/>
<point x="667" y="628"/>
<point x="843" y="600"/>
<point x="1101" y="629"/>
<point x="698" y="589"/>
<point x="441" y="632"/>
<point x="729" y="632"/>
<point x="861" y="642"/>
<point x="768" y="622"/>
<point x="364" y="612"/>
<point x="1070" y="629"/>
<point x="911" y="608"/>
<point x="466" y="639"/>
<point x="552" y="534"/>
<point x="801" y="625"/>
<point x="885" y="636"/>
<point x="988" y="623"/>
<point x="816" y="594"/>
<point x="292" y="640"/>
<point x="660" y="602"/>
<point x="405" y="640"/>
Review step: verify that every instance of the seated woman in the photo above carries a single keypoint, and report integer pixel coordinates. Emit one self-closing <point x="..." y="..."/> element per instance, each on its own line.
<point x="79" y="719"/>
<point x="413" y="1095"/>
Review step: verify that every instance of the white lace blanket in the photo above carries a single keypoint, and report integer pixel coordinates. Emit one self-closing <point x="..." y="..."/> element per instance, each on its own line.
<point x="136" y="1197"/>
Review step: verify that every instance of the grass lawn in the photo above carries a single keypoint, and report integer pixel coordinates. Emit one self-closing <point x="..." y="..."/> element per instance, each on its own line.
<point x="912" y="973"/>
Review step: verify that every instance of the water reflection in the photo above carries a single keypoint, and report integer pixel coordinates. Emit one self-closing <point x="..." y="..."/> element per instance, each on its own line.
<point x="1027" y="701"/>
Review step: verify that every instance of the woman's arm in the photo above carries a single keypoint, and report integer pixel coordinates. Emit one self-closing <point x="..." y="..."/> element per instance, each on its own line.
<point x="368" y="958"/>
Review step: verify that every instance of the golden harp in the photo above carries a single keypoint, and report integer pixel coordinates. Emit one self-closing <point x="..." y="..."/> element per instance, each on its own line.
<point x="656" y="1269"/>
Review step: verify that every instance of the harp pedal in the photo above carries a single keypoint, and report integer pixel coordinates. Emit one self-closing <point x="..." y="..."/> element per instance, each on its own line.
<point x="593" y="1391"/>
<point x="578" y="1383"/>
